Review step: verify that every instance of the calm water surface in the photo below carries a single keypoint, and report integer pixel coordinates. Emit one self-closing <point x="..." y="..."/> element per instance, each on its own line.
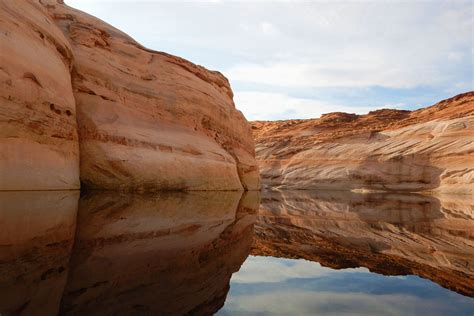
<point x="277" y="253"/>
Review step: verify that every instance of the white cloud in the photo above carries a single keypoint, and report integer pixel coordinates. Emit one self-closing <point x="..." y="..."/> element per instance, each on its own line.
<point x="358" y="73"/>
<point x="275" y="106"/>
<point x="455" y="56"/>
<point x="399" y="105"/>
<point x="389" y="45"/>
<point x="268" y="28"/>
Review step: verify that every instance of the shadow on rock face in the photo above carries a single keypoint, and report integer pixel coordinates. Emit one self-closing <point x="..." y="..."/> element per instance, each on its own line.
<point x="391" y="234"/>
<point x="409" y="173"/>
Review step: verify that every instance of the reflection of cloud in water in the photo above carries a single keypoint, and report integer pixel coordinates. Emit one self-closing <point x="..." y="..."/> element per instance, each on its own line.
<point x="272" y="270"/>
<point x="391" y="234"/>
<point x="266" y="285"/>
<point x="300" y="302"/>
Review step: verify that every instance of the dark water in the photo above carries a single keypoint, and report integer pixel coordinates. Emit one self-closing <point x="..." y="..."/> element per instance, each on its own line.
<point x="290" y="253"/>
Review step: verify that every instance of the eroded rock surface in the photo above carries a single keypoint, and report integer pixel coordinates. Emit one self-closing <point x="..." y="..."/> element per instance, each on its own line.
<point x="146" y="120"/>
<point x="431" y="149"/>
<point x="149" y="120"/>
<point x="39" y="146"/>
<point x="390" y="234"/>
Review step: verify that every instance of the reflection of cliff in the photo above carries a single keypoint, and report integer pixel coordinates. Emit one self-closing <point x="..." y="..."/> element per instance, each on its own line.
<point x="36" y="237"/>
<point x="168" y="254"/>
<point x="390" y="234"/>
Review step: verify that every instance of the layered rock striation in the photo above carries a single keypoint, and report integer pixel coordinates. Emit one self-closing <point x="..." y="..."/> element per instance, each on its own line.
<point x="81" y="97"/>
<point x="39" y="147"/>
<point x="36" y="241"/>
<point x="116" y="253"/>
<point x="431" y="149"/>
<point x="390" y="234"/>
<point x="171" y="255"/>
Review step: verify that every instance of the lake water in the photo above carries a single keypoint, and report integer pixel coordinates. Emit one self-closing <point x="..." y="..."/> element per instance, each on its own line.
<point x="275" y="253"/>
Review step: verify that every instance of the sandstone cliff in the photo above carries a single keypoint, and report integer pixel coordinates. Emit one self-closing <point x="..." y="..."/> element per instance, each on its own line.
<point x="431" y="149"/>
<point x="39" y="148"/>
<point x="390" y="234"/>
<point x="146" y="120"/>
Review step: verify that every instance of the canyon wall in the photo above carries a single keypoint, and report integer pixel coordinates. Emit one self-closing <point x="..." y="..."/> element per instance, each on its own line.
<point x="39" y="148"/>
<point x="146" y="120"/>
<point x="431" y="149"/>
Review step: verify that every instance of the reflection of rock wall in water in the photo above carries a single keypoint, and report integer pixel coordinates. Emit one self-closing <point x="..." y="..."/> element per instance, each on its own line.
<point x="36" y="238"/>
<point x="169" y="254"/>
<point x="391" y="234"/>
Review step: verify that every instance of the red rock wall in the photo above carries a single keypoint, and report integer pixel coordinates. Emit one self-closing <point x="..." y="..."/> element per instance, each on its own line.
<point x="430" y="149"/>
<point x="146" y="120"/>
<point x="39" y="147"/>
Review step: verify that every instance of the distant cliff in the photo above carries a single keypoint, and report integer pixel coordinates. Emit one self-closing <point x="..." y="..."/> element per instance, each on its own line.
<point x="83" y="102"/>
<point x="431" y="149"/>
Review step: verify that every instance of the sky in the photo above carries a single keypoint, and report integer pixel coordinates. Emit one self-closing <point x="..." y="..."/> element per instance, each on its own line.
<point x="301" y="59"/>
